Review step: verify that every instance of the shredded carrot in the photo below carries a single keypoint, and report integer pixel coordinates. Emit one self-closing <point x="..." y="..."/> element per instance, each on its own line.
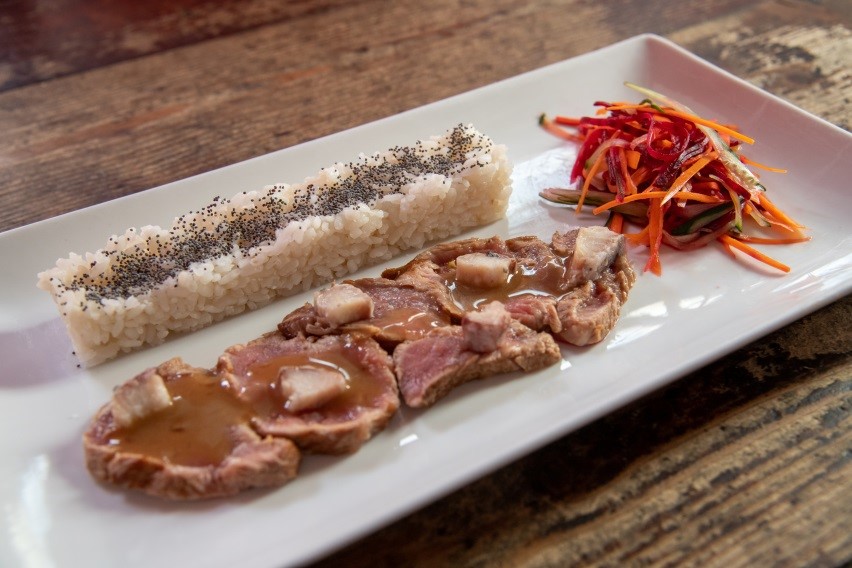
<point x="751" y="162"/>
<point x="566" y="120"/>
<point x="727" y="248"/>
<point x="633" y="158"/>
<point x="551" y="127"/>
<point x="720" y="128"/>
<point x="592" y="172"/>
<point x="683" y="195"/>
<point x="641" y="175"/>
<point x="777" y="213"/>
<point x="628" y="181"/>
<point x="616" y="223"/>
<point x="655" y="235"/>
<point x="783" y="227"/>
<point x="684" y="177"/>
<point x="640" y="238"/>
<point x="773" y="241"/>
<point x="670" y="160"/>
<point x="754" y="253"/>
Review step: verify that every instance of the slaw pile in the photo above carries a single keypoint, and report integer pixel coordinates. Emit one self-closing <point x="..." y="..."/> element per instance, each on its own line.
<point x="679" y="177"/>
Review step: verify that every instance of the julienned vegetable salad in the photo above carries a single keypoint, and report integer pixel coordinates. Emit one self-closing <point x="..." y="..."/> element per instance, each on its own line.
<point x="678" y="176"/>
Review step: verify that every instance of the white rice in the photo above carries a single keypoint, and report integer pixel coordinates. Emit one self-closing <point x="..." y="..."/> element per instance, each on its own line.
<point x="260" y="245"/>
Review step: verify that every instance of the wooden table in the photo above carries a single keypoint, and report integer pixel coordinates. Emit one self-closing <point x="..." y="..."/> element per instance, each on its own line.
<point x="746" y="462"/>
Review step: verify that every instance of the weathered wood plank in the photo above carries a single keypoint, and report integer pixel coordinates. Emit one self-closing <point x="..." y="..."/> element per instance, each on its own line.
<point x="56" y="38"/>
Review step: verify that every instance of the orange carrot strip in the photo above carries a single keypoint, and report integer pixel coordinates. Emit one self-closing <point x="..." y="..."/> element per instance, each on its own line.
<point x="641" y="175"/>
<point x="720" y="128"/>
<point x="655" y="235"/>
<point x="628" y="181"/>
<point x="727" y="248"/>
<point x="551" y="127"/>
<point x="685" y="176"/>
<point x="773" y="241"/>
<point x="711" y="124"/>
<point x="625" y="106"/>
<point x="659" y="194"/>
<point x="566" y="120"/>
<point x="751" y="162"/>
<point x="700" y="197"/>
<point x="616" y="223"/>
<point x="640" y="238"/>
<point x="754" y="253"/>
<point x="777" y="213"/>
<point x="780" y="225"/>
<point x="633" y="158"/>
<point x="592" y="172"/>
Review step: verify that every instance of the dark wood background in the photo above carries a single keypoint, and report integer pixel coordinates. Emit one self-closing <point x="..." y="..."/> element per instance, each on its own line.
<point x="746" y="462"/>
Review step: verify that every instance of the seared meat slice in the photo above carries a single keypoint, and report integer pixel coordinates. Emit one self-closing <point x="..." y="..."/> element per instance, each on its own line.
<point x="537" y="312"/>
<point x="573" y="288"/>
<point x="399" y="312"/>
<point x="598" y="261"/>
<point x="273" y="375"/>
<point x="443" y="254"/>
<point x="197" y="445"/>
<point x="483" y="329"/>
<point x="429" y="368"/>
<point x="434" y="269"/>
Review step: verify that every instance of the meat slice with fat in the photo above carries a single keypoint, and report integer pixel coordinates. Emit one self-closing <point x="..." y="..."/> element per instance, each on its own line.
<point x="427" y="369"/>
<point x="399" y="312"/>
<point x="328" y="418"/>
<point x="573" y="287"/>
<point x="198" y="445"/>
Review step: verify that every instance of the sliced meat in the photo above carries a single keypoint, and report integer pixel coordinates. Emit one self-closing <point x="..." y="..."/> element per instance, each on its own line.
<point x="595" y="249"/>
<point x="429" y="368"/>
<point x="536" y="311"/>
<point x="483" y="329"/>
<point x="599" y="262"/>
<point x="441" y="255"/>
<point x="324" y="383"/>
<point x="400" y="312"/>
<point x="198" y="446"/>
<point x="589" y="312"/>
<point x="573" y="287"/>
<point x="337" y="421"/>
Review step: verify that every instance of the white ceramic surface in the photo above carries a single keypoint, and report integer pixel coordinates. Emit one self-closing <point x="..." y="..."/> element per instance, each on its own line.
<point x="704" y="306"/>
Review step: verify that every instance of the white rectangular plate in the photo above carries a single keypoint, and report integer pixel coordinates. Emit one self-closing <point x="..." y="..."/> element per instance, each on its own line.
<point x="704" y="306"/>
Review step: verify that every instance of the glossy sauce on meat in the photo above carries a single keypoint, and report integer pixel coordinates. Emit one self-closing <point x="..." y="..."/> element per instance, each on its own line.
<point x="408" y="323"/>
<point x="547" y="277"/>
<point x="262" y="389"/>
<point x="195" y="430"/>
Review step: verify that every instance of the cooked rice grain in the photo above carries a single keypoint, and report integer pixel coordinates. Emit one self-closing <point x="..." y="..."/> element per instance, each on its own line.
<point x="242" y="253"/>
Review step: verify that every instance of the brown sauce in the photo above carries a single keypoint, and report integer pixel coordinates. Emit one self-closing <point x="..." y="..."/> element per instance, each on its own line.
<point x="362" y="389"/>
<point x="545" y="278"/>
<point x="195" y="430"/>
<point x="407" y="323"/>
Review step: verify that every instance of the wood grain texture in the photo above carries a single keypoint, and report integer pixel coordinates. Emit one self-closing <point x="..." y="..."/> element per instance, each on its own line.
<point x="746" y="462"/>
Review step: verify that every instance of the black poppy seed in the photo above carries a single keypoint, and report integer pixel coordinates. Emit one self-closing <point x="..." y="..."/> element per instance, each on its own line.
<point x="137" y="271"/>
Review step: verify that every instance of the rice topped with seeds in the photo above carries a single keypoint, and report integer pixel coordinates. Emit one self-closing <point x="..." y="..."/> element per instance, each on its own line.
<point x="241" y="253"/>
